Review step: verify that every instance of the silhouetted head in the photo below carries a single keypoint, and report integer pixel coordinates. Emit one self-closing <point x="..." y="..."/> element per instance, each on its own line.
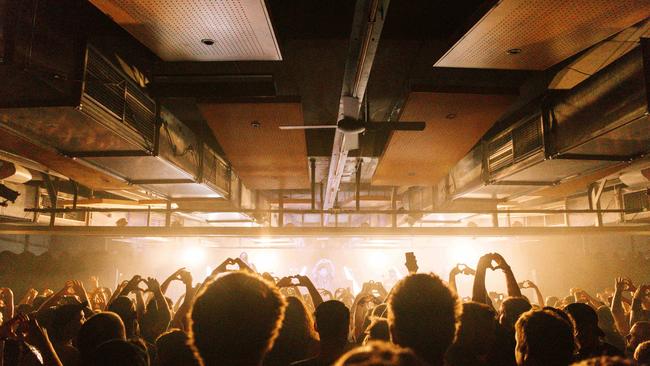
<point x="235" y="319"/>
<point x="173" y="349"/>
<point x="476" y="331"/>
<point x="125" y="308"/>
<point x="543" y="338"/>
<point x="422" y="315"/>
<point x="296" y="335"/>
<point x="511" y="309"/>
<point x="605" y="361"/>
<point x="118" y="352"/>
<point x="380" y="353"/>
<point x="332" y="321"/>
<point x="585" y="318"/>
<point x="99" y="328"/>
<point x="377" y="330"/>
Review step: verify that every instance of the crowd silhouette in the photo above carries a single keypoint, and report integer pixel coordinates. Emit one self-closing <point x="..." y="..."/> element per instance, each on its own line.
<point x="239" y="317"/>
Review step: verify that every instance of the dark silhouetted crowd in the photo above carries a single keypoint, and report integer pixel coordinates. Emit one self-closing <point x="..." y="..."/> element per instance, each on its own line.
<point x="237" y="317"/>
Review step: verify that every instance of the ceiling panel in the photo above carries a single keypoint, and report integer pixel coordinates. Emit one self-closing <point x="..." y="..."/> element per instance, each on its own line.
<point x="454" y="124"/>
<point x="544" y="31"/>
<point x="265" y="157"/>
<point x="174" y="30"/>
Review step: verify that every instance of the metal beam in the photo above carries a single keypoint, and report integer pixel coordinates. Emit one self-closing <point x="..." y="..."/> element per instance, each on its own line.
<point x="334" y="211"/>
<point x="367" y="25"/>
<point x="161" y="231"/>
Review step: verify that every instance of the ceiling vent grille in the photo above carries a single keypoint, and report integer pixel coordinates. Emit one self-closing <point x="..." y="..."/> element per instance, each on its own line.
<point x="500" y="153"/>
<point x="637" y="201"/>
<point x="106" y="86"/>
<point x="527" y="139"/>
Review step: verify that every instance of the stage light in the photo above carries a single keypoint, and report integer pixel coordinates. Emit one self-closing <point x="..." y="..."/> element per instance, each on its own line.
<point x="377" y="260"/>
<point x="462" y="251"/>
<point x="193" y="255"/>
<point x="265" y="260"/>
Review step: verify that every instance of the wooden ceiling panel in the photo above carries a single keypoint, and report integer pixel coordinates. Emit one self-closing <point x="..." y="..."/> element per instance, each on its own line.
<point x="540" y="33"/>
<point x="265" y="157"/>
<point x="455" y="123"/>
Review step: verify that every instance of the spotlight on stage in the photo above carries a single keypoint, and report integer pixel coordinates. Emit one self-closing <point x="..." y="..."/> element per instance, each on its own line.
<point x="193" y="255"/>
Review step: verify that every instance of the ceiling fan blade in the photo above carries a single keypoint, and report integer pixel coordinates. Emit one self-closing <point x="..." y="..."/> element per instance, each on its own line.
<point x="351" y="141"/>
<point x="313" y="127"/>
<point x="396" y="126"/>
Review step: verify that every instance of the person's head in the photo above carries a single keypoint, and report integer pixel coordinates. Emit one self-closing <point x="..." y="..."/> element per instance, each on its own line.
<point x="476" y="331"/>
<point x="605" y="361"/>
<point x="379" y="353"/>
<point x="125" y="308"/>
<point x="296" y="334"/>
<point x="332" y="321"/>
<point x="235" y="319"/>
<point x="422" y="315"/>
<point x="642" y="353"/>
<point x="585" y="319"/>
<point x="173" y="349"/>
<point x="66" y="322"/>
<point x="511" y="309"/>
<point x="99" y="328"/>
<point x="639" y="333"/>
<point x="605" y="319"/>
<point x="377" y="330"/>
<point x="118" y="352"/>
<point x="543" y="338"/>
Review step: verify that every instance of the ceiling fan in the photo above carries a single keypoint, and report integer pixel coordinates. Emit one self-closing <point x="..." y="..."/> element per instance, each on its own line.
<point x="352" y="127"/>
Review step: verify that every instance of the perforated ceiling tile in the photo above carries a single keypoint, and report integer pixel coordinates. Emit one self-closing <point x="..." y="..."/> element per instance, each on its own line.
<point x="454" y="123"/>
<point x="174" y="30"/>
<point x="263" y="156"/>
<point x="537" y="34"/>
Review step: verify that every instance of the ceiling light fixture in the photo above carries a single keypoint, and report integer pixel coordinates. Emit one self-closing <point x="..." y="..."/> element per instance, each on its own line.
<point x="256" y="124"/>
<point x="514" y="51"/>
<point x="207" y="41"/>
<point x="450" y="116"/>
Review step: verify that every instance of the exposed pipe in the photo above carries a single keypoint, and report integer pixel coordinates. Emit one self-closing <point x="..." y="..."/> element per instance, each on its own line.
<point x="204" y="231"/>
<point x="337" y="211"/>
<point x="366" y="30"/>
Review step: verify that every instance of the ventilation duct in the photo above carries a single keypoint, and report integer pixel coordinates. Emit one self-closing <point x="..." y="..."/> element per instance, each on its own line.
<point x="13" y="173"/>
<point x="564" y="134"/>
<point x="80" y="95"/>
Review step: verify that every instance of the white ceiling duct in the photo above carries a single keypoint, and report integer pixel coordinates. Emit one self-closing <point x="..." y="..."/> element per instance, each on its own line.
<point x="638" y="178"/>
<point x="13" y="173"/>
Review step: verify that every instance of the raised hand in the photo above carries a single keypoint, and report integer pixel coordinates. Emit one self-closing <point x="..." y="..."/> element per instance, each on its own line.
<point x="185" y="276"/>
<point x="152" y="284"/>
<point x="500" y="262"/>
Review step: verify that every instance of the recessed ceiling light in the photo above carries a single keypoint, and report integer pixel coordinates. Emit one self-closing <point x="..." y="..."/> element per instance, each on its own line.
<point x="514" y="51"/>
<point x="450" y="116"/>
<point x="256" y="124"/>
<point x="207" y="41"/>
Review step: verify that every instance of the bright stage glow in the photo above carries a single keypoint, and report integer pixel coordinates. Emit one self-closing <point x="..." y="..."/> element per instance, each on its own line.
<point x="464" y="251"/>
<point x="377" y="260"/>
<point x="266" y="260"/>
<point x="193" y="256"/>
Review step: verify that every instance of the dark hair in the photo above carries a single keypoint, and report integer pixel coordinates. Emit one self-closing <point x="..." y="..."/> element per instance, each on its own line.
<point x="544" y="337"/>
<point x="99" y="328"/>
<point x="118" y="352"/>
<point x="332" y="320"/>
<point x="642" y="353"/>
<point x="422" y="314"/>
<point x="605" y="361"/>
<point x="173" y="349"/>
<point x="296" y="336"/>
<point x="477" y="327"/>
<point x="380" y="353"/>
<point x="235" y="319"/>
<point x="512" y="308"/>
